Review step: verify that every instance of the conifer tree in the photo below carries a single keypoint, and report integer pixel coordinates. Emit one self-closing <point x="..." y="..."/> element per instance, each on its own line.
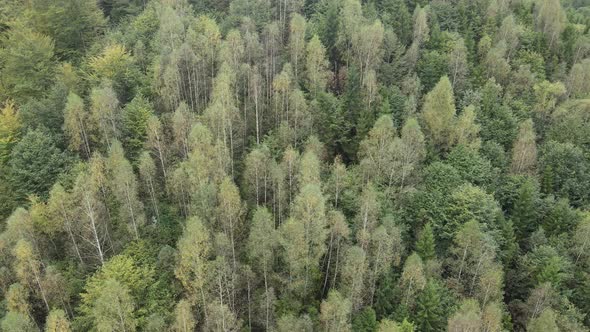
<point x="425" y="246"/>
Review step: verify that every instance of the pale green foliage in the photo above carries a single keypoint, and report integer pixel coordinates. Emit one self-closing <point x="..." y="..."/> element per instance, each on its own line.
<point x="353" y="276"/>
<point x="366" y="44"/>
<point x="579" y="79"/>
<point x="184" y="320"/>
<point x="309" y="211"/>
<point x="458" y="66"/>
<point x="545" y="322"/>
<point x="295" y="250"/>
<point x="376" y="151"/>
<point x="121" y="274"/>
<point x="387" y="325"/>
<point x="317" y="73"/>
<point x="263" y="239"/>
<point x="524" y="151"/>
<point x="123" y="183"/>
<point x="474" y="255"/>
<point x="367" y="216"/>
<point x="114" y="310"/>
<point x="335" y="313"/>
<point x="297" y="42"/>
<point x="290" y="323"/>
<point x="76" y="124"/>
<point x="412" y="279"/>
<point x="193" y="252"/>
<point x="438" y="113"/>
<point x="495" y="64"/>
<point x="104" y="112"/>
<point x="14" y="321"/>
<point x="550" y="19"/>
<point x="467" y="318"/>
<point x="466" y="130"/>
<point x="582" y="240"/>
<point x="220" y="318"/>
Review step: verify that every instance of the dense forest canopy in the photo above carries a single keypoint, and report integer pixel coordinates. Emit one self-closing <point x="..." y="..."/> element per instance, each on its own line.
<point x="295" y="165"/>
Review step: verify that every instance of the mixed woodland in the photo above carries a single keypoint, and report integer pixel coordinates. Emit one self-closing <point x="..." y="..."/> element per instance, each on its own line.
<point x="295" y="165"/>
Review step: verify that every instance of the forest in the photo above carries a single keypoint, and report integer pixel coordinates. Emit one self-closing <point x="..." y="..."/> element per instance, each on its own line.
<point x="295" y="165"/>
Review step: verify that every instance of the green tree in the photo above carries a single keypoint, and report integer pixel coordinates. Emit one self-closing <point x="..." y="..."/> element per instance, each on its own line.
<point x="115" y="66"/>
<point x="458" y="65"/>
<point x="395" y="13"/>
<point x="524" y="212"/>
<point x="27" y="64"/>
<point x="135" y="124"/>
<point x="376" y="151"/>
<point x="35" y="164"/>
<point x="365" y="320"/>
<point x="430" y="312"/>
<point x="425" y="246"/>
<point x="409" y="151"/>
<point x="126" y="275"/>
<point x="309" y="211"/>
<point x="582" y="239"/>
<point x="148" y="177"/>
<point x="569" y="172"/>
<point x="74" y="25"/>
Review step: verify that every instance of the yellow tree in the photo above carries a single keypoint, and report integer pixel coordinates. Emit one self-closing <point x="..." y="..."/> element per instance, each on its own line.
<point x="29" y="268"/>
<point x="57" y="321"/>
<point x="10" y="126"/>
